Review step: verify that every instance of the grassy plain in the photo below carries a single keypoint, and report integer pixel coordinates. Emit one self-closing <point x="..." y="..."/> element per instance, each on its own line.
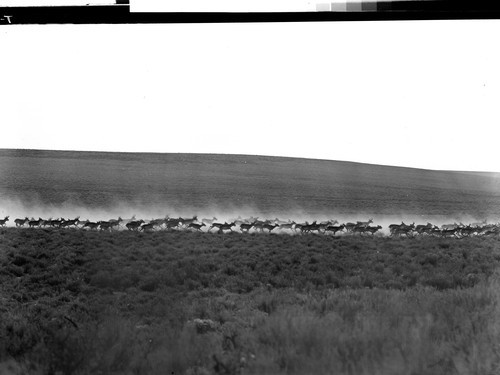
<point x="78" y="302"/>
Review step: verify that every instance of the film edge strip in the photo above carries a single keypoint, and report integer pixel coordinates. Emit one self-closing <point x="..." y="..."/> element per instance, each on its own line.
<point x="120" y="13"/>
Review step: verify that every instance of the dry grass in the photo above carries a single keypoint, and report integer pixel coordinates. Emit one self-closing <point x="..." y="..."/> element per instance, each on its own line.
<point x="75" y="302"/>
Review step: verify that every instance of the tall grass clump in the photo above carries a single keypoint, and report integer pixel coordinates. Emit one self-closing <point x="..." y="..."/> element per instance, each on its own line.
<point x="416" y="331"/>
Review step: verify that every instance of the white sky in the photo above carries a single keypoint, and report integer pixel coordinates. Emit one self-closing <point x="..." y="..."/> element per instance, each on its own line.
<point x="420" y="94"/>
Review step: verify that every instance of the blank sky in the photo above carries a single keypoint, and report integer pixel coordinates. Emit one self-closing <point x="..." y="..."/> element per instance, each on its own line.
<point x="421" y="94"/>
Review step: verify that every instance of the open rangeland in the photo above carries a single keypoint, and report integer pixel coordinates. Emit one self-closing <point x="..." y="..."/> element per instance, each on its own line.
<point x="126" y="302"/>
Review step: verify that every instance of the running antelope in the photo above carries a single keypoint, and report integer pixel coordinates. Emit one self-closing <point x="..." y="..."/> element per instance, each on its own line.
<point x="324" y="224"/>
<point x="134" y="225"/>
<point x="299" y="226"/>
<point x="245" y="227"/>
<point x="269" y="227"/>
<point x="170" y="224"/>
<point x="196" y="226"/>
<point x="21" y="222"/>
<point x="428" y="230"/>
<point x="349" y="227"/>
<point x="359" y="229"/>
<point x="226" y="226"/>
<point x="216" y="225"/>
<point x="308" y="228"/>
<point x="105" y="225"/>
<point x="364" y="223"/>
<point x="259" y="225"/>
<point x="91" y="225"/>
<point x="421" y="228"/>
<point x="4" y="220"/>
<point x="148" y="227"/>
<point x="115" y="222"/>
<point x="401" y="230"/>
<point x="68" y="223"/>
<point x="334" y="229"/>
<point x="373" y="230"/>
<point x="35" y="223"/>
<point x="54" y="223"/>
<point x="186" y="222"/>
<point x="396" y="226"/>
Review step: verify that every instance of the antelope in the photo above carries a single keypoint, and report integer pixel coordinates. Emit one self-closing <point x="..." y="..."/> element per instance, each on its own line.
<point x="91" y="225"/>
<point x="310" y="227"/>
<point x="196" y="226"/>
<point x="105" y="225"/>
<point x="420" y="228"/>
<point x="245" y="227"/>
<point x="148" y="227"/>
<point x="226" y="226"/>
<point x="364" y="223"/>
<point x="349" y="227"/>
<point x="259" y="225"/>
<point x="115" y="222"/>
<point x="54" y="223"/>
<point x="401" y="226"/>
<point x="21" y="222"/>
<point x="171" y="224"/>
<point x="314" y="226"/>
<point x="298" y="226"/>
<point x="68" y="223"/>
<point x="216" y="225"/>
<point x="157" y="221"/>
<point x="186" y="222"/>
<point x="359" y="229"/>
<point x="335" y="229"/>
<point x="399" y="231"/>
<point x="4" y="220"/>
<point x="428" y="230"/>
<point x="35" y="223"/>
<point x="373" y="230"/>
<point x="324" y="224"/>
<point x="134" y="225"/>
<point x="269" y="227"/>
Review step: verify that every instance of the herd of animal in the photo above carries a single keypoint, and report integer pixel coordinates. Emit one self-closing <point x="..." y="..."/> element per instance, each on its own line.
<point x="257" y="225"/>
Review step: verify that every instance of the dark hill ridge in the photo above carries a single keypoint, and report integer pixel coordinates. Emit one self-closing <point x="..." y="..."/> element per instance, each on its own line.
<point x="205" y="183"/>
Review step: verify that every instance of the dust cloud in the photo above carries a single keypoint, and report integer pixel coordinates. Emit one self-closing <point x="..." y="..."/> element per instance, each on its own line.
<point x="70" y="209"/>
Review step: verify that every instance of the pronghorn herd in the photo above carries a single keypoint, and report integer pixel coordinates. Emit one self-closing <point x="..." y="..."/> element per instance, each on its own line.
<point x="254" y="224"/>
